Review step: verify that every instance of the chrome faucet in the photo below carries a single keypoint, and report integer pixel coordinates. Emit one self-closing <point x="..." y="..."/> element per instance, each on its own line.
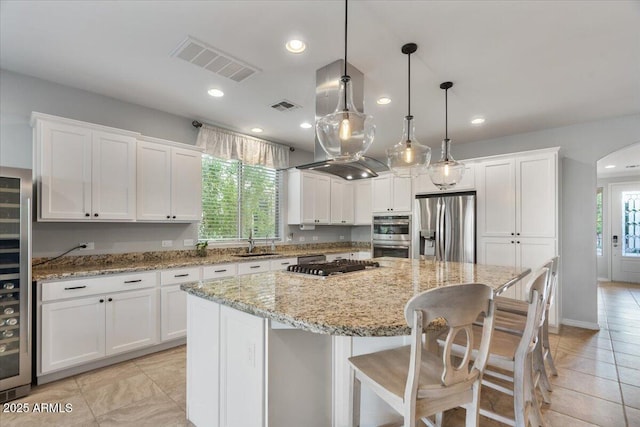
<point x="252" y="243"/>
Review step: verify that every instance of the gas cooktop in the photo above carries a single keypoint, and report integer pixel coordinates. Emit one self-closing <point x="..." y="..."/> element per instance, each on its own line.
<point x="332" y="268"/>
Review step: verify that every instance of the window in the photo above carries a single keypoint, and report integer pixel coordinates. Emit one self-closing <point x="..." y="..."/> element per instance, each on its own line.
<point x="238" y="199"/>
<point x="631" y="223"/>
<point x="599" y="221"/>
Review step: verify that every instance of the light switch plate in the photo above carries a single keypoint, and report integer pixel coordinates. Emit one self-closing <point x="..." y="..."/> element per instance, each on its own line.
<point x="167" y="243"/>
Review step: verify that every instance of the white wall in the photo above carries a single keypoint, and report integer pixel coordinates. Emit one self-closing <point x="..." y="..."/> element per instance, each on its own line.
<point x="582" y="146"/>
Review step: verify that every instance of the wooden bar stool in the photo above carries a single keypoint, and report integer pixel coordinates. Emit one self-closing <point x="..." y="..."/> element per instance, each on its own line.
<point x="416" y="381"/>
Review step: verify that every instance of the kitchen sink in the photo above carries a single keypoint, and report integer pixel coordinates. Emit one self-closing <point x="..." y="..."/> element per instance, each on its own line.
<point x="255" y="255"/>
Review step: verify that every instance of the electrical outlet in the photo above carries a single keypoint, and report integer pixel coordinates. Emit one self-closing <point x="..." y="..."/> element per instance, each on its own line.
<point x="315" y="238"/>
<point x="341" y="237"/>
<point x="90" y="246"/>
<point x="167" y="243"/>
<point x="302" y="238"/>
<point x="187" y="242"/>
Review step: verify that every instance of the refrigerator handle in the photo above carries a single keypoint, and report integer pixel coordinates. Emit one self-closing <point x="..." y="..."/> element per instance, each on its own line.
<point x="440" y="231"/>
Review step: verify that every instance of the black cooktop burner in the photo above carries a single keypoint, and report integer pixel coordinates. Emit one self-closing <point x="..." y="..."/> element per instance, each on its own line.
<point x="339" y="266"/>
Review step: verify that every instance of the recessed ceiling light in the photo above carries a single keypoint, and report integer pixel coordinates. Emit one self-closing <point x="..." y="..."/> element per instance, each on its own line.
<point x="383" y="100"/>
<point x="477" y="121"/>
<point x="610" y="166"/>
<point x="256" y="130"/>
<point x="306" y="125"/>
<point x="217" y="93"/>
<point x="295" y="46"/>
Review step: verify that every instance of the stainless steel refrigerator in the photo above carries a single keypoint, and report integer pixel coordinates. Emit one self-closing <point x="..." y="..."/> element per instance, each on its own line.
<point x="447" y="224"/>
<point x="15" y="283"/>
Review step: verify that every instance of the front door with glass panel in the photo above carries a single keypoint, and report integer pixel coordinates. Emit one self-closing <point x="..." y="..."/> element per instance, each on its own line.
<point x="625" y="232"/>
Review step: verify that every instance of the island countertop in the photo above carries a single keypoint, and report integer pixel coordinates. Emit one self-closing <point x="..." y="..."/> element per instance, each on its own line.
<point x="363" y="303"/>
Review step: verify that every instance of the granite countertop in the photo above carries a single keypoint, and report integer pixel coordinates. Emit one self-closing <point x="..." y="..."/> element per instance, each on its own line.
<point x="97" y="265"/>
<point x="363" y="303"/>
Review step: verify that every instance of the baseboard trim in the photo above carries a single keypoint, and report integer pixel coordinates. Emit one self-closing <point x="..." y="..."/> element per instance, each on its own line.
<point x="603" y="279"/>
<point x="581" y="324"/>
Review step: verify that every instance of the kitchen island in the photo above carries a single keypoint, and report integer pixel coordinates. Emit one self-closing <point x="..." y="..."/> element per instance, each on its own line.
<point x="272" y="348"/>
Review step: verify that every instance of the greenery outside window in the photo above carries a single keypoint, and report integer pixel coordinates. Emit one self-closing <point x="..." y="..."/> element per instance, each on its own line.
<point x="599" y="221"/>
<point x="239" y="200"/>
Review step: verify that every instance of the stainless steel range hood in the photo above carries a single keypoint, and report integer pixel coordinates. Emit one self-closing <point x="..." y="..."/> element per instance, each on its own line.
<point x="327" y="88"/>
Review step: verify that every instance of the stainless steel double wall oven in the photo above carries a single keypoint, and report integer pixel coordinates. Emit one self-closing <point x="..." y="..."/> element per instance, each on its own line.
<point x="391" y="236"/>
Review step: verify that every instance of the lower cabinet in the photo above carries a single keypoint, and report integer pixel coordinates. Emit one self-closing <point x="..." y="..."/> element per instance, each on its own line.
<point x="173" y="306"/>
<point x="85" y="329"/>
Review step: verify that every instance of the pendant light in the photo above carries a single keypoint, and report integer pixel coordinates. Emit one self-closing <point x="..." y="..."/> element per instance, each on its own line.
<point x="408" y="157"/>
<point x="346" y="134"/>
<point x="446" y="172"/>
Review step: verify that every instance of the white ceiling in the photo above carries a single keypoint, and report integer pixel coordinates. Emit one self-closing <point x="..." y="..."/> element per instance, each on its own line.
<point x="625" y="162"/>
<point x="524" y="65"/>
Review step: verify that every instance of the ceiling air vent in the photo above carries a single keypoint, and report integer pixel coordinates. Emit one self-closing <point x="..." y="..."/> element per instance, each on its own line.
<point x="214" y="60"/>
<point x="285" y="105"/>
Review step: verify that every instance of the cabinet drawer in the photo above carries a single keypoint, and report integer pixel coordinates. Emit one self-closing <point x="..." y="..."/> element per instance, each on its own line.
<point x="52" y="291"/>
<point x="253" y="267"/>
<point x="179" y="275"/>
<point x="282" y="264"/>
<point x="334" y="257"/>
<point x="219" y="271"/>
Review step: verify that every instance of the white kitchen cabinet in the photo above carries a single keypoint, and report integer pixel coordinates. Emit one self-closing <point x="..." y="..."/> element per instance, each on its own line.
<point x="219" y="271"/>
<point x="84" y="172"/>
<point x="84" y="329"/>
<point x="422" y="184"/>
<point x="517" y="196"/>
<point x="252" y="267"/>
<point x="73" y="332"/>
<point x="362" y="208"/>
<point x="391" y="194"/>
<point x="173" y="310"/>
<point x="518" y="213"/>
<point x="130" y="321"/>
<point x="339" y="256"/>
<point x="282" y="264"/>
<point x="169" y="181"/>
<point x="242" y="368"/>
<point x="309" y="198"/>
<point x="342" y="202"/>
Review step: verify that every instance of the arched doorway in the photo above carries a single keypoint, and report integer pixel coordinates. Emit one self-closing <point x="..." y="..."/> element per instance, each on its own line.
<point x="618" y="215"/>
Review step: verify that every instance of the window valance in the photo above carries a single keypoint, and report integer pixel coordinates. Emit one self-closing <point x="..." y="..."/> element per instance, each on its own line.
<point x="228" y="145"/>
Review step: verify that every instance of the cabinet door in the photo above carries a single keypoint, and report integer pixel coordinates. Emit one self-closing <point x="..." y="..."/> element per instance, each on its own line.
<point x="401" y="194"/>
<point x="337" y="199"/>
<point x="536" y="184"/>
<point x="362" y="197"/>
<point x="173" y="313"/>
<point x="496" y="199"/>
<point x="186" y="185"/>
<point x="242" y="343"/>
<point x="131" y="320"/>
<point x="282" y="264"/>
<point x="533" y="253"/>
<point x="64" y="171"/>
<point x="308" y="199"/>
<point x="322" y="203"/>
<point x="498" y="251"/>
<point x="73" y="332"/>
<point x="154" y="182"/>
<point x="348" y="200"/>
<point x="381" y="193"/>
<point x="113" y="183"/>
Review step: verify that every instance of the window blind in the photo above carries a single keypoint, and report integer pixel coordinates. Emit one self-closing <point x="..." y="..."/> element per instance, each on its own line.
<point x="239" y="199"/>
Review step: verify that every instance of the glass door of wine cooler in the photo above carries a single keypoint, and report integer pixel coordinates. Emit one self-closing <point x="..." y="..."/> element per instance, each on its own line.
<point x="15" y="283"/>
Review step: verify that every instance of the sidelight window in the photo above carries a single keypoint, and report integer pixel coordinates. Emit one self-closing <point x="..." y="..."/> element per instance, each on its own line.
<point x="599" y="221"/>
<point x="631" y="223"/>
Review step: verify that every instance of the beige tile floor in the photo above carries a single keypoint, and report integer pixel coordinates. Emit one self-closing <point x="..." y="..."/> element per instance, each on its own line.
<point x="598" y="381"/>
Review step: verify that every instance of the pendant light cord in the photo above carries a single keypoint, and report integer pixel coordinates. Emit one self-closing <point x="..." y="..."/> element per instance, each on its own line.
<point x="344" y="76"/>
<point x="446" y="114"/>
<point x="409" y="85"/>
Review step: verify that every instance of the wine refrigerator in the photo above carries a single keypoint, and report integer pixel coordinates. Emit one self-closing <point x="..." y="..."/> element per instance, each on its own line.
<point x="15" y="283"/>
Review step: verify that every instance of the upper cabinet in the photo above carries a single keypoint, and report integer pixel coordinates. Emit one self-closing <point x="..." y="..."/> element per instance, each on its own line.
<point x="422" y="184"/>
<point x="390" y="193"/>
<point x="309" y="198"/>
<point x="342" y="202"/>
<point x="88" y="172"/>
<point x="169" y="182"/>
<point x="362" y="208"/>
<point x="517" y="196"/>
<point x="84" y="172"/>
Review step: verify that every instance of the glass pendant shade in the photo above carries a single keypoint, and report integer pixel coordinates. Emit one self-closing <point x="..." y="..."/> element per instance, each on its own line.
<point x="346" y="134"/>
<point x="446" y="172"/>
<point x="408" y="157"/>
